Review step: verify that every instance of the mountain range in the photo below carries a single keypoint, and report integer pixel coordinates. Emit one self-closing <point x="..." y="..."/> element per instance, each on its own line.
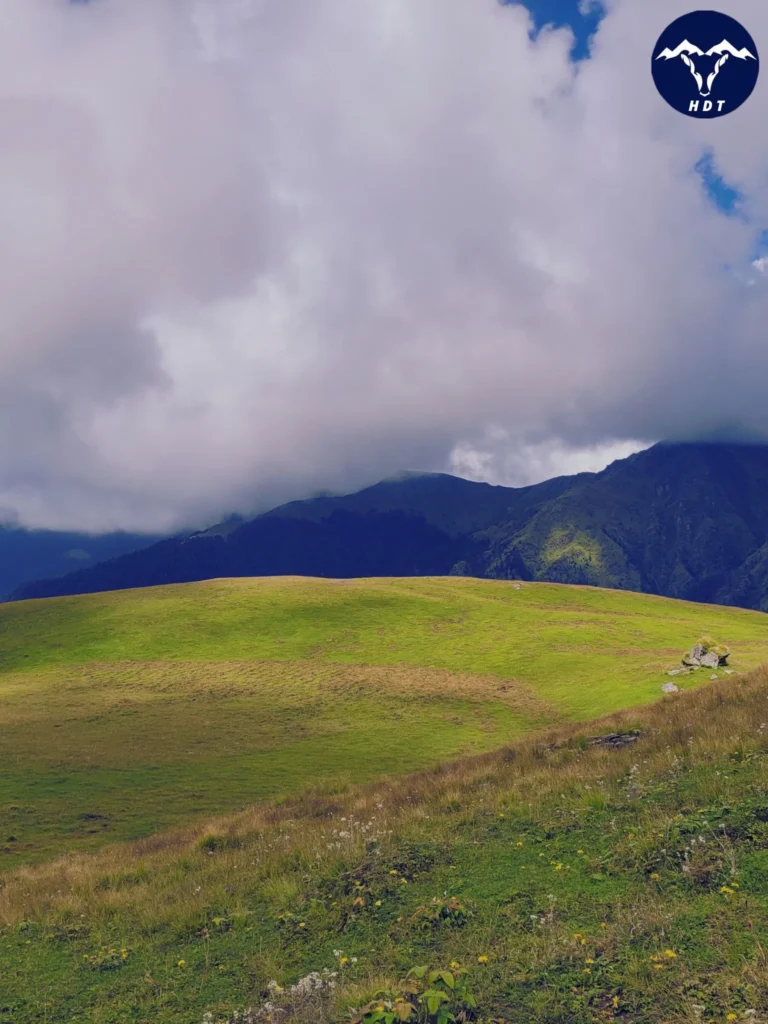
<point x="27" y="555"/>
<point x="681" y="520"/>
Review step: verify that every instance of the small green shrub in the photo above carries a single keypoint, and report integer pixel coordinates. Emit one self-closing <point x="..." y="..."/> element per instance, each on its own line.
<point x="106" y="959"/>
<point x="450" y="911"/>
<point x="424" y="997"/>
<point x="711" y="646"/>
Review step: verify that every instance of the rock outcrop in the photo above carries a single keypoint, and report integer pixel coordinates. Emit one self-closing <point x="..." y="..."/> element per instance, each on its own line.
<point x="706" y="654"/>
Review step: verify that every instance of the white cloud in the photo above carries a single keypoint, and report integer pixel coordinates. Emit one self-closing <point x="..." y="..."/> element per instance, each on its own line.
<point x="500" y="460"/>
<point x="278" y="247"/>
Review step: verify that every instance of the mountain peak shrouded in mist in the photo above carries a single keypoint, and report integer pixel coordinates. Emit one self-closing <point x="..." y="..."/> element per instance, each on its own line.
<point x="27" y="555"/>
<point x="683" y="519"/>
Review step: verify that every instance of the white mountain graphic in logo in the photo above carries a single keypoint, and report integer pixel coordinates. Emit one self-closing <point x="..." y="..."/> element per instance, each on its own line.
<point x="686" y="52"/>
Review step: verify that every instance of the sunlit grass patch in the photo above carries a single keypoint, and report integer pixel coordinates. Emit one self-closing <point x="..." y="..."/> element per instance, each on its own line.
<point x="641" y="906"/>
<point x="123" y="714"/>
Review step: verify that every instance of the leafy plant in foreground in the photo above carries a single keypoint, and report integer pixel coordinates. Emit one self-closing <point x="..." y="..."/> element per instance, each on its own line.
<point x="424" y="997"/>
<point x="450" y="911"/>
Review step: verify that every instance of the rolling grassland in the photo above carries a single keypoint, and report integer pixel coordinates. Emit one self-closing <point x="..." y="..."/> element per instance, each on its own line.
<point x="572" y="882"/>
<point x="127" y="713"/>
<point x="211" y="793"/>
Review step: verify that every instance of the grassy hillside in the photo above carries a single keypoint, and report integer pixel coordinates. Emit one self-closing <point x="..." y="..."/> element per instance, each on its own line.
<point x="123" y="714"/>
<point x="573" y="883"/>
<point x="685" y="520"/>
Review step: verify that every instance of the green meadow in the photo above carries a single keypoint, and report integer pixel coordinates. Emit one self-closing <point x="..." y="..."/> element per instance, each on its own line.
<point x="551" y="882"/>
<point x="128" y="713"/>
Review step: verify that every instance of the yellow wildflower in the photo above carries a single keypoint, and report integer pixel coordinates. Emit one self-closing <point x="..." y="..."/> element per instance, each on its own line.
<point x="670" y="954"/>
<point x="731" y="1016"/>
<point x="518" y="844"/>
<point x="615" y="1002"/>
<point x="482" y="959"/>
<point x="377" y="903"/>
<point x="655" y="875"/>
<point x="181" y="963"/>
<point x="587" y="970"/>
<point x="589" y="960"/>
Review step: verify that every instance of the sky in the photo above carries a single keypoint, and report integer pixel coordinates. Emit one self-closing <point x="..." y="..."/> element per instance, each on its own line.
<point x="253" y="251"/>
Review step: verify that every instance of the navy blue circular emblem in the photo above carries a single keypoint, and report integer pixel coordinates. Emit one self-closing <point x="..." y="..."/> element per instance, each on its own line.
<point x="705" y="64"/>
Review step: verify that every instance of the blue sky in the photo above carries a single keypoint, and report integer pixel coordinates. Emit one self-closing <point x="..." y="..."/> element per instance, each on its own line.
<point x="557" y="13"/>
<point x="566" y="12"/>
<point x="725" y="197"/>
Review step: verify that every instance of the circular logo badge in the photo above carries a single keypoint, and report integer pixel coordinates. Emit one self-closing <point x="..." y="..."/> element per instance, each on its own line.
<point x="705" y="64"/>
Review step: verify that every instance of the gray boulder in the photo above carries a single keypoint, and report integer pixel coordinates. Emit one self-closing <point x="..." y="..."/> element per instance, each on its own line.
<point x="706" y="655"/>
<point x="669" y="688"/>
<point x="695" y="655"/>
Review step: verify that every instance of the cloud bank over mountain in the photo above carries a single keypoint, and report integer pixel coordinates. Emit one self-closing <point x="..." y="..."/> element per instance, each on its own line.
<point x="253" y="250"/>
